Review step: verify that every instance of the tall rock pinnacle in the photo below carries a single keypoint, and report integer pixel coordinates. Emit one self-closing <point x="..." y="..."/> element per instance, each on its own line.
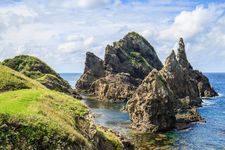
<point x="181" y="55"/>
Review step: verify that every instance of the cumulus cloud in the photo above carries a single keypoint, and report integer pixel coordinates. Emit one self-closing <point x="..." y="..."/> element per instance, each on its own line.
<point x="61" y="32"/>
<point x="190" y="23"/>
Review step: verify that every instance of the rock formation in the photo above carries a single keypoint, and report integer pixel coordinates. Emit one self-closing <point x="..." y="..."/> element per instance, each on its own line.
<point x="132" y="54"/>
<point x="174" y="91"/>
<point x="94" y="69"/>
<point x="40" y="71"/>
<point x="202" y="82"/>
<point x="126" y="63"/>
<point x="151" y="107"/>
<point x="119" y="86"/>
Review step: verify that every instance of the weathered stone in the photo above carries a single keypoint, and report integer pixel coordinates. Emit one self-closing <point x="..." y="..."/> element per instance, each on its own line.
<point x="151" y="107"/>
<point x="132" y="54"/>
<point x="126" y="63"/>
<point x="202" y="82"/>
<point x="114" y="87"/>
<point x="94" y="69"/>
<point x="178" y="79"/>
<point x="176" y="85"/>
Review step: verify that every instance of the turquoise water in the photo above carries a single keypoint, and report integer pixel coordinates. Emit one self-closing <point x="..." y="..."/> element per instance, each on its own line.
<point x="209" y="135"/>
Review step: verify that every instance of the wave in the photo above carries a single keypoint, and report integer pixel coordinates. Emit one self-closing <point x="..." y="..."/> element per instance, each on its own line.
<point x="208" y="102"/>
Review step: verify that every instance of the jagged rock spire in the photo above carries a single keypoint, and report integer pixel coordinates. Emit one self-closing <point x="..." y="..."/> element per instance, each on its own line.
<point x="181" y="55"/>
<point x="171" y="62"/>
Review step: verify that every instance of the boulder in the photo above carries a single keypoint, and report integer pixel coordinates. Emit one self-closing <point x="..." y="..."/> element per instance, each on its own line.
<point x="151" y="107"/>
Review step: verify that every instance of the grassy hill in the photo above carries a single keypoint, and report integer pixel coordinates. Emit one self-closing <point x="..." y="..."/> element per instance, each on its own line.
<point x="34" y="117"/>
<point x="36" y="69"/>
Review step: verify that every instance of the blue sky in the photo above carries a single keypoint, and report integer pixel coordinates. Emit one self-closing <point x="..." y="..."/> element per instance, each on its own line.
<point x="61" y="32"/>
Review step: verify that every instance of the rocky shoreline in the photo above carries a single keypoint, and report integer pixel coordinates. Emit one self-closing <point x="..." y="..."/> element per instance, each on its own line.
<point x="159" y="97"/>
<point x="49" y="115"/>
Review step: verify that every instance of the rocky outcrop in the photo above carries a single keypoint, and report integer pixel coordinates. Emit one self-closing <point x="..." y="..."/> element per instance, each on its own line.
<point x="151" y="108"/>
<point x="126" y="63"/>
<point x="202" y="82"/>
<point x="115" y="87"/>
<point x="94" y="69"/>
<point x="36" y="69"/>
<point x="179" y="81"/>
<point x="132" y="54"/>
<point x="173" y="92"/>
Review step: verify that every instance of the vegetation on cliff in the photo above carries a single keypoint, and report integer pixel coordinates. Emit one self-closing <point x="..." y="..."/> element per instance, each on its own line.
<point x="34" y="117"/>
<point x="38" y="70"/>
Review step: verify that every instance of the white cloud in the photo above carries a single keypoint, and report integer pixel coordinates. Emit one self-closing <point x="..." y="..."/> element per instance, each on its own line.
<point x="76" y="44"/>
<point x="84" y="3"/>
<point x="60" y="32"/>
<point x="190" y="23"/>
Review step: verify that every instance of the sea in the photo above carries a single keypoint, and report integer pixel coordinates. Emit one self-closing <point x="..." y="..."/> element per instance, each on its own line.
<point x="208" y="135"/>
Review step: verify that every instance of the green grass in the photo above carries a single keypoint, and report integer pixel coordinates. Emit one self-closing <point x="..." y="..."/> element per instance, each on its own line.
<point x="17" y="102"/>
<point x="36" y="69"/>
<point x="111" y="137"/>
<point x="30" y="66"/>
<point x="13" y="80"/>
<point x="34" y="115"/>
<point x="54" y="83"/>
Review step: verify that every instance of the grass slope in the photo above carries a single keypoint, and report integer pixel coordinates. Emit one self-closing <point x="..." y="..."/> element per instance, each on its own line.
<point x="36" y="69"/>
<point x="13" y="80"/>
<point x="34" y="117"/>
<point x="40" y="119"/>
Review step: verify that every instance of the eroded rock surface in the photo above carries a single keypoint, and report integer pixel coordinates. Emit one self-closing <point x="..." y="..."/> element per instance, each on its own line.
<point x="176" y="85"/>
<point x="202" y="82"/>
<point x="120" y="86"/>
<point x="126" y="63"/>
<point x="151" y="108"/>
<point x="132" y="54"/>
<point x="94" y="69"/>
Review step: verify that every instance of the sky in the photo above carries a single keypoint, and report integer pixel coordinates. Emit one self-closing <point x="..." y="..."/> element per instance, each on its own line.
<point x="61" y="32"/>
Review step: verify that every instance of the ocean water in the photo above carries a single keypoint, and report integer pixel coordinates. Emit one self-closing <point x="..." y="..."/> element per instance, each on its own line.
<point x="208" y="135"/>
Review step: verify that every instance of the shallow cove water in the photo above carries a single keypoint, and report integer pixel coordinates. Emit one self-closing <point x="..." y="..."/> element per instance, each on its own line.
<point x="209" y="135"/>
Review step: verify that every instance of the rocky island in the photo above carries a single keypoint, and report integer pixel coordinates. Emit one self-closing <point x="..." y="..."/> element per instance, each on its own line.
<point x="126" y="64"/>
<point x="160" y="97"/>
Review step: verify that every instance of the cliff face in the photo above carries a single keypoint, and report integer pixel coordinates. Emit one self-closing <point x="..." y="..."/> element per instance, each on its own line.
<point x="126" y="63"/>
<point x="174" y="91"/>
<point x="132" y="54"/>
<point x="151" y="108"/>
<point x="94" y="69"/>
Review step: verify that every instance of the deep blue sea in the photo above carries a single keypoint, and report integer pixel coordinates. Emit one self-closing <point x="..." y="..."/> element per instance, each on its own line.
<point x="208" y="135"/>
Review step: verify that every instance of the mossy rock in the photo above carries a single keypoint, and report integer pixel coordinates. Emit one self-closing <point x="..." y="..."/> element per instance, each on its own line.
<point x="110" y="139"/>
<point x="38" y="70"/>
<point x="54" y="83"/>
